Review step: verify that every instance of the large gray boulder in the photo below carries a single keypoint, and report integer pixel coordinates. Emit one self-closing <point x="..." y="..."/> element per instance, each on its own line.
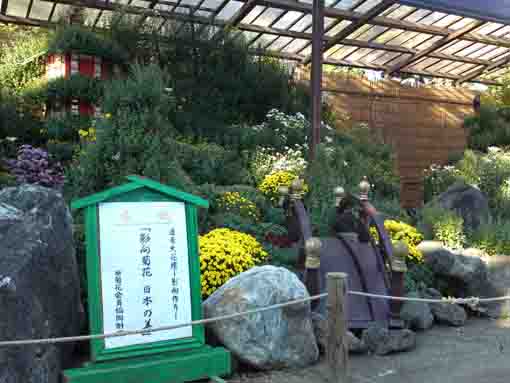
<point x="468" y="202"/>
<point x="279" y="338"/>
<point x="417" y="314"/>
<point x="466" y="272"/>
<point x="39" y="283"/>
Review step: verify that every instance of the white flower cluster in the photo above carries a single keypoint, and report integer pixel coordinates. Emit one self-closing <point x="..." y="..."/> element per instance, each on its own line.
<point x="267" y="161"/>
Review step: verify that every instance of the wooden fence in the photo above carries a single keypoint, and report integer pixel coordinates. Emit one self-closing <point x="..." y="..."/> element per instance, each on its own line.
<point x="425" y="125"/>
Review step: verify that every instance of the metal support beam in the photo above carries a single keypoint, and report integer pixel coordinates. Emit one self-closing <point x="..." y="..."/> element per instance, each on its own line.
<point x="24" y="21"/>
<point x="3" y="9"/>
<point x="316" y="78"/>
<point x="291" y="5"/>
<point x="439" y="44"/>
<point x="29" y="8"/>
<point x="354" y="26"/>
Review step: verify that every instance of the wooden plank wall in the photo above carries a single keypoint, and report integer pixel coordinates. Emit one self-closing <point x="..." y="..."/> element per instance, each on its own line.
<point x="424" y="125"/>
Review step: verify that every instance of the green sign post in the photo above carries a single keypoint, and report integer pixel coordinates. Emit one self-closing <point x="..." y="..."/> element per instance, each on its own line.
<point x="143" y="272"/>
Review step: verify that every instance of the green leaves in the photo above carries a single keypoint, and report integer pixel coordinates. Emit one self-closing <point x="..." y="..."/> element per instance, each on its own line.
<point x="77" y="39"/>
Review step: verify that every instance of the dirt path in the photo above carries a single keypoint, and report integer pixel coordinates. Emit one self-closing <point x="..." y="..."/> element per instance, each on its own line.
<point x="476" y="353"/>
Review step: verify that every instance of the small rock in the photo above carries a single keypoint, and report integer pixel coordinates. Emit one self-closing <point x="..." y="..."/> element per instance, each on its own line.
<point x="417" y="314"/>
<point x="320" y="327"/>
<point x="382" y="341"/>
<point x="446" y="313"/>
<point x="356" y="345"/>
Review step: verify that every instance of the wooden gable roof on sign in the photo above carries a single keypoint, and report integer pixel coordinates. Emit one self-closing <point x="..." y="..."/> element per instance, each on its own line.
<point x="139" y="182"/>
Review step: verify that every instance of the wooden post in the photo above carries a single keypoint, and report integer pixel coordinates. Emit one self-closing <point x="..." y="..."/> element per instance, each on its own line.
<point x="316" y="75"/>
<point x="337" y="348"/>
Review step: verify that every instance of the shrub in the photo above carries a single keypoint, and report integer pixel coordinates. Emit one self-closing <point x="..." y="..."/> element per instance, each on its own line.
<point x="218" y="82"/>
<point x="443" y="225"/>
<point x="491" y="127"/>
<point x="138" y="138"/>
<point x="225" y="253"/>
<point x="77" y="39"/>
<point x="234" y="202"/>
<point x="269" y="186"/>
<point x="211" y="163"/>
<point x="21" y="59"/>
<point x="438" y="179"/>
<point x="33" y="166"/>
<point x="493" y="238"/>
<point x="267" y="161"/>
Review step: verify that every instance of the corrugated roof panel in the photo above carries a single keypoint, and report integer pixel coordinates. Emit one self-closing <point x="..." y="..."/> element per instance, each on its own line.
<point x="268" y="17"/>
<point x="499" y="10"/>
<point x="302" y="24"/>
<point x="253" y="14"/>
<point x="140" y="3"/>
<point x="229" y="10"/>
<point x="60" y="11"/>
<point x="495" y="54"/>
<point x="214" y="4"/>
<point x="372" y="33"/>
<point x="286" y="21"/>
<point x="367" y="6"/>
<point x="17" y="8"/>
<point x="40" y="10"/>
<point x="295" y="46"/>
<point x="280" y="43"/>
<point x="338" y="28"/>
<point x="348" y="4"/>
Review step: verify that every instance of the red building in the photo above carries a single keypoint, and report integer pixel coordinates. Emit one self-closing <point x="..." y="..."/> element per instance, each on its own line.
<point x="66" y="65"/>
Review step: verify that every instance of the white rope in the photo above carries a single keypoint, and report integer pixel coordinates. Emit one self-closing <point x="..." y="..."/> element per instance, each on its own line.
<point x="472" y="301"/>
<point x="469" y="301"/>
<point x="163" y="328"/>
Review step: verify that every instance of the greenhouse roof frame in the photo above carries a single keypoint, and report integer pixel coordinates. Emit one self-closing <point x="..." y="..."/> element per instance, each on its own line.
<point x="458" y="40"/>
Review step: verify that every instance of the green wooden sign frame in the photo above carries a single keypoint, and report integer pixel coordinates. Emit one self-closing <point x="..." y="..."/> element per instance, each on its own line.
<point x="142" y="189"/>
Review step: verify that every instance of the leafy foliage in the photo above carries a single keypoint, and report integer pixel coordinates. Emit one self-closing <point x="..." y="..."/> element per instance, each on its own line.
<point x="77" y="39"/>
<point x="218" y="82"/>
<point x="137" y="139"/>
<point x="22" y="60"/>
<point x="443" y="225"/>
<point x="491" y="127"/>
<point x="76" y="86"/>
<point x="493" y="237"/>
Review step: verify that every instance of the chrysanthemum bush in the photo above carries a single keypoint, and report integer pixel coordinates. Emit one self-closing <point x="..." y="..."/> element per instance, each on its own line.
<point x="401" y="231"/>
<point x="33" y="166"/>
<point x="269" y="186"/>
<point x="225" y="253"/>
<point x="267" y="161"/>
<point x="234" y="202"/>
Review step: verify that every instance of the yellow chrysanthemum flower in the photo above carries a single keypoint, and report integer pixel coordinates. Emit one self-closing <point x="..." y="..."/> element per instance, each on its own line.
<point x="225" y="253"/>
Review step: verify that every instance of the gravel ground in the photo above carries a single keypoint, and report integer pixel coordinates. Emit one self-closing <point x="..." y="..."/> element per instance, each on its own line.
<point x="479" y="352"/>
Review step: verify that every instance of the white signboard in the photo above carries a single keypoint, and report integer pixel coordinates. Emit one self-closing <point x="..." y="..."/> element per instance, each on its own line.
<point x="145" y="278"/>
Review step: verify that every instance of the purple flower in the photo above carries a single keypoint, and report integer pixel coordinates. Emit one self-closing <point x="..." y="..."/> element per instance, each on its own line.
<point x="33" y="166"/>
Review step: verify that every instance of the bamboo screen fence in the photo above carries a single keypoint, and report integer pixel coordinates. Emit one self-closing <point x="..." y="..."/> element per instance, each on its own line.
<point x="425" y="125"/>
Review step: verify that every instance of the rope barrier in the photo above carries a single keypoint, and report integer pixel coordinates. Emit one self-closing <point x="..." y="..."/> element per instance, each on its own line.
<point x="472" y="301"/>
<point x="158" y="329"/>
